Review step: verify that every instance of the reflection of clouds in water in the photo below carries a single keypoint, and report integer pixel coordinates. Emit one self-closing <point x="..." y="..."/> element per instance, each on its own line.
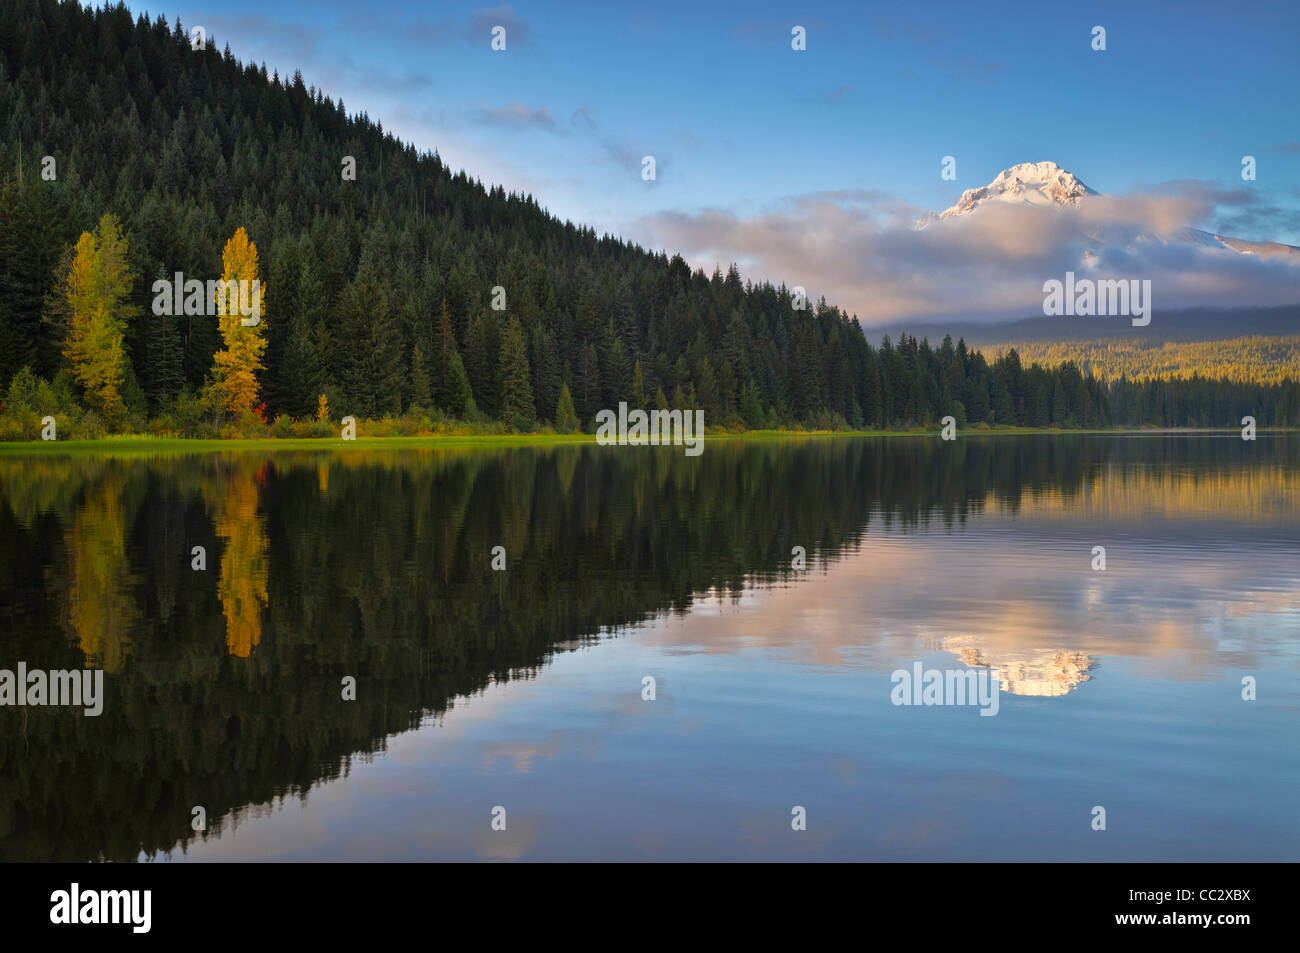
<point x="513" y="843"/>
<point x="1028" y="601"/>
<point x="522" y="755"/>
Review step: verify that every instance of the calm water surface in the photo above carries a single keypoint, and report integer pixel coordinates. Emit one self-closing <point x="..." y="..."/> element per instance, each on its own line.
<point x="522" y="689"/>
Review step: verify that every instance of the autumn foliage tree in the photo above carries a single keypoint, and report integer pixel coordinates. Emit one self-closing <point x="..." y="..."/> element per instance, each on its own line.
<point x="236" y="366"/>
<point x="98" y="286"/>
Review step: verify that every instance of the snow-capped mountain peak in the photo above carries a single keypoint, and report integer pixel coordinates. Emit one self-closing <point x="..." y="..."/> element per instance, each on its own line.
<point x="1046" y="185"/>
<point x="1029" y="183"/>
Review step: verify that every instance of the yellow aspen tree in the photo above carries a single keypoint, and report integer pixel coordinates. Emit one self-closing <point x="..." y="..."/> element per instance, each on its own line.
<point x="235" y="368"/>
<point x="97" y="286"/>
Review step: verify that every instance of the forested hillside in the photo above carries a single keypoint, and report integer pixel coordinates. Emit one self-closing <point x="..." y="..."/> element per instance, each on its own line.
<point x="1251" y="360"/>
<point x="126" y="156"/>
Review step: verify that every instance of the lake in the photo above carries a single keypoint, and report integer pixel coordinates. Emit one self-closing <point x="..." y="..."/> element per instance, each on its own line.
<point x="612" y="653"/>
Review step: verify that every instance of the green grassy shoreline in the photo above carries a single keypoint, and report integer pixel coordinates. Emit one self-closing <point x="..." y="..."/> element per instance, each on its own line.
<point x="145" y="444"/>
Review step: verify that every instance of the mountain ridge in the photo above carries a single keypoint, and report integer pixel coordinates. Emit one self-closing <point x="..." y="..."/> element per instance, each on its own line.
<point x="1191" y="324"/>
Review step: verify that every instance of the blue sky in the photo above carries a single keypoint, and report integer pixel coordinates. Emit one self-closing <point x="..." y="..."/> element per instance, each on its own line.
<point x="742" y="125"/>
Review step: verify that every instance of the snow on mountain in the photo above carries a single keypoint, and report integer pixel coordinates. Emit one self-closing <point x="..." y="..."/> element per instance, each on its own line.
<point x="1262" y="249"/>
<point x="1047" y="185"/>
<point x="1030" y="183"/>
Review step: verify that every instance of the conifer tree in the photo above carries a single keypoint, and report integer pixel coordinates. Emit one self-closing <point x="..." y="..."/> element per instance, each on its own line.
<point x="163" y="352"/>
<point x="548" y="372"/>
<point x="421" y="398"/>
<point x="639" y="396"/>
<point x="444" y="346"/>
<point x="459" y="398"/>
<point x="515" y="376"/>
<point x="566" y="418"/>
<point x="482" y="354"/>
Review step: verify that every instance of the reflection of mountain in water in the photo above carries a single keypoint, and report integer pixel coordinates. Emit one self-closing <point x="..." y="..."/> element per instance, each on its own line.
<point x="1043" y="672"/>
<point x="223" y="685"/>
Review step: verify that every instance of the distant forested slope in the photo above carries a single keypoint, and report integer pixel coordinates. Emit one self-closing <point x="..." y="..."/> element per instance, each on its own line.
<point x="1191" y="325"/>
<point x="1255" y="360"/>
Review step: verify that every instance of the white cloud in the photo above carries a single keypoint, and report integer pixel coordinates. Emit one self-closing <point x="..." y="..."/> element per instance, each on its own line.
<point x="861" y="250"/>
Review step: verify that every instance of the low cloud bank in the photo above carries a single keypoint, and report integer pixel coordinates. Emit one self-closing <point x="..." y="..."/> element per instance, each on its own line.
<point x="863" y="251"/>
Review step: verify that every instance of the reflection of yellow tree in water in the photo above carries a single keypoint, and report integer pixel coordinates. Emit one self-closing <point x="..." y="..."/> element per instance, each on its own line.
<point x="101" y="609"/>
<point x="242" y="585"/>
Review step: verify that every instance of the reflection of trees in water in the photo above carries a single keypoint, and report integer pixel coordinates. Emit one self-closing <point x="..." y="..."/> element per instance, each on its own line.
<point x="242" y="582"/>
<point x="225" y="684"/>
<point x="101" y="607"/>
